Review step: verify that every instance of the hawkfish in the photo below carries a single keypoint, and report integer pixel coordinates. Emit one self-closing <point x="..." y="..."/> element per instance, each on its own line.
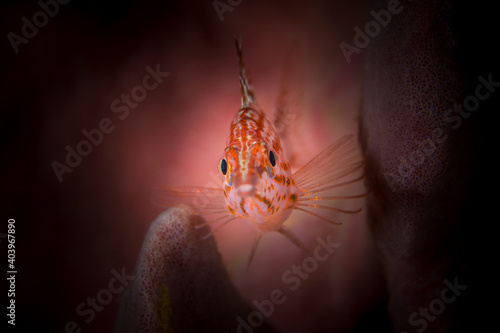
<point x="257" y="183"/>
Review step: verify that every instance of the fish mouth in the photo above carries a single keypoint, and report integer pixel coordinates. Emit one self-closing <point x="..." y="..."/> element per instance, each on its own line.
<point x="246" y="185"/>
<point x="246" y="190"/>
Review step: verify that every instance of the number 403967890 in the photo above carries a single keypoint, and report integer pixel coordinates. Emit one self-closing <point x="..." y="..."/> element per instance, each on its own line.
<point x="12" y="240"/>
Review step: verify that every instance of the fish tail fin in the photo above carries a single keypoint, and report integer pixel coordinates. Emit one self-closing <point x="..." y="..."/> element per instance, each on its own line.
<point x="247" y="95"/>
<point x="340" y="165"/>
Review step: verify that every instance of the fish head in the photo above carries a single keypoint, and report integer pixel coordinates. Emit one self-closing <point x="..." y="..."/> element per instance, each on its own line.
<point x="255" y="179"/>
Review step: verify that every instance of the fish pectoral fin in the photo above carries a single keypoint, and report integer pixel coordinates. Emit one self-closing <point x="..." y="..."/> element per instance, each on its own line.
<point x="292" y="238"/>
<point x="341" y="164"/>
<point x="200" y="200"/>
<point x="204" y="201"/>
<point x="254" y="249"/>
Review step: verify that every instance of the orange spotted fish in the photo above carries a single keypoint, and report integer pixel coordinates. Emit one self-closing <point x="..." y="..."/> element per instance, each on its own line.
<point x="258" y="184"/>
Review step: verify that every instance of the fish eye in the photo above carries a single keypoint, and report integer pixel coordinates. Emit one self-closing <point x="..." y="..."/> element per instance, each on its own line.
<point x="272" y="158"/>
<point x="223" y="167"/>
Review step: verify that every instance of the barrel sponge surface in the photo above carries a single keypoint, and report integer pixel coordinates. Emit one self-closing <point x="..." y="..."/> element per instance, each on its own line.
<point x="411" y="79"/>
<point x="416" y="157"/>
<point x="180" y="283"/>
<point x="414" y="153"/>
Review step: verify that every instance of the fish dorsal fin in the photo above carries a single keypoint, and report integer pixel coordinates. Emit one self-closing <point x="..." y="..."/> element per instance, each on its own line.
<point x="247" y="95"/>
<point x="288" y="114"/>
